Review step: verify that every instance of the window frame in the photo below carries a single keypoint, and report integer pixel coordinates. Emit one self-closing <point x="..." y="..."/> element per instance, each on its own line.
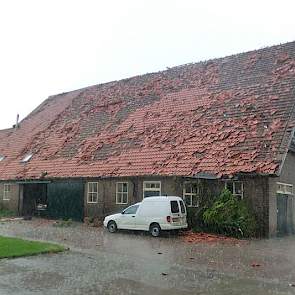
<point x="191" y="194"/>
<point x="285" y="185"/>
<point x="144" y="189"/>
<point x="92" y="193"/>
<point x="122" y="193"/>
<point x="6" y="193"/>
<point x="173" y="211"/>
<point x="241" y="195"/>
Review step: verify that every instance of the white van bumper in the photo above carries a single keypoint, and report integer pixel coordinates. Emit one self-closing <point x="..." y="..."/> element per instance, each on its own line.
<point x="168" y="226"/>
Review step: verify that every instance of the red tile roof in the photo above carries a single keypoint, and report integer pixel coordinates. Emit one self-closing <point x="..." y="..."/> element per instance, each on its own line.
<point x="223" y="117"/>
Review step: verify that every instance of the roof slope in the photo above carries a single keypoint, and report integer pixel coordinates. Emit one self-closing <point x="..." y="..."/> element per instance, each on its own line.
<point x="224" y="116"/>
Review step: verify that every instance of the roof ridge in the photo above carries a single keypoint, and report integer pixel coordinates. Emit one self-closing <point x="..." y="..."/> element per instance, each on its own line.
<point x="200" y="62"/>
<point x="6" y="129"/>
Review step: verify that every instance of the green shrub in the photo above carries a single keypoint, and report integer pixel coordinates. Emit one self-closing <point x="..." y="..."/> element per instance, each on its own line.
<point x="195" y="218"/>
<point x="195" y="214"/>
<point x="230" y="216"/>
<point x="6" y="213"/>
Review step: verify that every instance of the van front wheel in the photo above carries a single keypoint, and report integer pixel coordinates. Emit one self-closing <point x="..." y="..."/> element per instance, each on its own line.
<point x="112" y="226"/>
<point x="155" y="230"/>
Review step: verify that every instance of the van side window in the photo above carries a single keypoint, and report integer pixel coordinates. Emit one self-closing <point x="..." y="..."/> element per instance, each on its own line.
<point x="174" y="207"/>
<point x="182" y="207"/>
<point x="131" y="210"/>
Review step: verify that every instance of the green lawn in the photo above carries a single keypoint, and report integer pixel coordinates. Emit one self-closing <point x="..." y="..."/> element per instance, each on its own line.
<point x="12" y="247"/>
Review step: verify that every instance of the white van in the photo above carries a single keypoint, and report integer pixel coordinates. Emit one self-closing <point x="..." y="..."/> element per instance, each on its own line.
<point x="153" y="214"/>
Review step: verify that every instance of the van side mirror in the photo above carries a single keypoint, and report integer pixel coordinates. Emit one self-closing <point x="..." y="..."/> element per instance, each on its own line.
<point x="123" y="212"/>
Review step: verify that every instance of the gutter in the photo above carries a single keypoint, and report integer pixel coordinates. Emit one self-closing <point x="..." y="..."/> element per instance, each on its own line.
<point x="33" y="182"/>
<point x="203" y="175"/>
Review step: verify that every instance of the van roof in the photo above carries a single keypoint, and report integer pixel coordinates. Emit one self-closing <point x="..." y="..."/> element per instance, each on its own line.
<point x="161" y="198"/>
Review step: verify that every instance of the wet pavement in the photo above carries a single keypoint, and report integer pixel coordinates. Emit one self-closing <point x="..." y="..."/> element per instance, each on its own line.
<point x="128" y="263"/>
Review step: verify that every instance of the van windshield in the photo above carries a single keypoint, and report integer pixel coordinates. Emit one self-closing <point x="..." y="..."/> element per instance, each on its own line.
<point x="174" y="207"/>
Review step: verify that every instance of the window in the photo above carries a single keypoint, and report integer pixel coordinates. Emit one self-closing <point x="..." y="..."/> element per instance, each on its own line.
<point x="1" y="158"/>
<point x="284" y="188"/>
<point x="174" y="207"/>
<point x="131" y="210"/>
<point x="27" y="158"/>
<point x="92" y="193"/>
<point x="122" y="193"/>
<point x="236" y="188"/>
<point x="151" y="188"/>
<point x="191" y="194"/>
<point x="182" y="207"/>
<point x="6" y="192"/>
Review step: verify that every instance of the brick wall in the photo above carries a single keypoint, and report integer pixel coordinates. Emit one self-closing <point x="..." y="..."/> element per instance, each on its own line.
<point x="107" y="193"/>
<point x="12" y="203"/>
<point x="255" y="192"/>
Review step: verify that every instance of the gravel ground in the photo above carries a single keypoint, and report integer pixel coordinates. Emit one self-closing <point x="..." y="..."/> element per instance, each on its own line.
<point x="128" y="263"/>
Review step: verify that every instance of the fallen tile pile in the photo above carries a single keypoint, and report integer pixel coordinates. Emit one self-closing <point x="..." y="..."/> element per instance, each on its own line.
<point x="200" y="237"/>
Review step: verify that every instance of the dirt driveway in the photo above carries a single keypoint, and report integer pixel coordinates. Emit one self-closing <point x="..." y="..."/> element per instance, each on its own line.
<point x="127" y="263"/>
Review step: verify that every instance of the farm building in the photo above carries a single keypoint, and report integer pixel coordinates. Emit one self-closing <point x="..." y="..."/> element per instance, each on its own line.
<point x="188" y="131"/>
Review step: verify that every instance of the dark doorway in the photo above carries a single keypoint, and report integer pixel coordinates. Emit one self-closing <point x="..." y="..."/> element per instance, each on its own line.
<point x="34" y="198"/>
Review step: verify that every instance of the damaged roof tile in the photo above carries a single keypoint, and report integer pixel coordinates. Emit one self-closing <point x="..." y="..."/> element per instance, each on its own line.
<point x="221" y="117"/>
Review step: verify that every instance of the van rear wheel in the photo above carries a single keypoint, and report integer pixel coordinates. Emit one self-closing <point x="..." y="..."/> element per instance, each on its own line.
<point x="112" y="227"/>
<point x="155" y="230"/>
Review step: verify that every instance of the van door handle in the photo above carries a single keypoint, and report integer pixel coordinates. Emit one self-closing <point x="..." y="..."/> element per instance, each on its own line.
<point x="133" y="216"/>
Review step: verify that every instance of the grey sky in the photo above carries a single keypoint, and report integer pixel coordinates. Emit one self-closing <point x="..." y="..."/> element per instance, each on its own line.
<point x="48" y="47"/>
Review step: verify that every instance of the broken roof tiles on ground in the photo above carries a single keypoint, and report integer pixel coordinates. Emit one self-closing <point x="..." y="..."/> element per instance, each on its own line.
<point x="222" y="117"/>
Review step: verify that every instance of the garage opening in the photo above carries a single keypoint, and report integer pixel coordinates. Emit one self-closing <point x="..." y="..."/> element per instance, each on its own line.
<point x="57" y="200"/>
<point x="34" y="199"/>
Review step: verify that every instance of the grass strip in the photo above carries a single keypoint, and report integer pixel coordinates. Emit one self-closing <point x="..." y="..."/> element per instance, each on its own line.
<point x="14" y="247"/>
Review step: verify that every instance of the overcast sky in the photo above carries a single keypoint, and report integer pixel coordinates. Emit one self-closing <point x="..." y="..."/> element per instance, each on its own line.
<point x="48" y="47"/>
